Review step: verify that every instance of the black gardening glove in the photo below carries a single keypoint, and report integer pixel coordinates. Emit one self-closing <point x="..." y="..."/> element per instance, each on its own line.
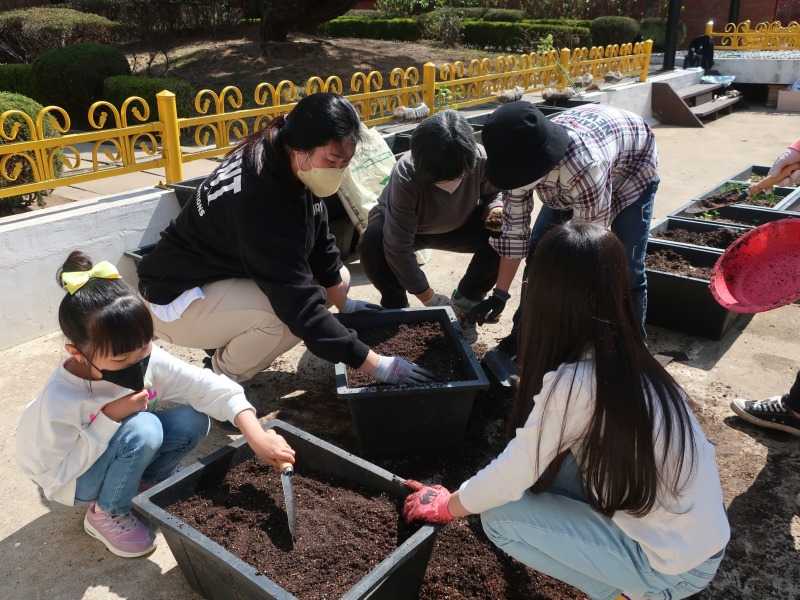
<point x="489" y="309"/>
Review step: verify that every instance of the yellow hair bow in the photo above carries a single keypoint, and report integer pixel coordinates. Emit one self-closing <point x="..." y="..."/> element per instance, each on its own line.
<point x="74" y="280"/>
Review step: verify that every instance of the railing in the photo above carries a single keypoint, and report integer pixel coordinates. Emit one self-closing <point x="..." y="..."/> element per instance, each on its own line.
<point x="765" y="36"/>
<point x="221" y="121"/>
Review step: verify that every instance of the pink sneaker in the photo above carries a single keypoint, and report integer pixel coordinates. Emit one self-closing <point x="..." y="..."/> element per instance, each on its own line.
<point x="124" y="535"/>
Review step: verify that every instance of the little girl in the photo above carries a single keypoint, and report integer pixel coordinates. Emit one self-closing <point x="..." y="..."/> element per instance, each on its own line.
<point x="94" y="435"/>
<point x="607" y="482"/>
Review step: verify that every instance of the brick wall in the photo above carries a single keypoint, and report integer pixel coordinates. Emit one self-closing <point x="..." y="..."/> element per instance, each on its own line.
<point x="697" y="13"/>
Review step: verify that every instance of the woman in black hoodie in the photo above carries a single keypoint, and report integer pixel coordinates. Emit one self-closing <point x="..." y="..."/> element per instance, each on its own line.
<point x="249" y="267"/>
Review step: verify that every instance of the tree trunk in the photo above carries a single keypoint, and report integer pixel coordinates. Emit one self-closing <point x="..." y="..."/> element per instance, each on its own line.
<point x="280" y="17"/>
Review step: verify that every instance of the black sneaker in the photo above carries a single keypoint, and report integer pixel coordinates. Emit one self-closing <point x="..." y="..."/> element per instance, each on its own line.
<point x="771" y="413"/>
<point x="508" y="346"/>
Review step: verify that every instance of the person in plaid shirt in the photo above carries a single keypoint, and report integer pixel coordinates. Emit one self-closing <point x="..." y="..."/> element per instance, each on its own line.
<point x="593" y="163"/>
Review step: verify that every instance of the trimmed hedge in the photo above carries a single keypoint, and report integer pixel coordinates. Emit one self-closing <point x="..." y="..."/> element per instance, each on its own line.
<point x="72" y="77"/>
<point x="16" y="79"/>
<point x="118" y="88"/>
<point x="522" y="36"/>
<point x="656" y="29"/>
<point x="613" y="30"/>
<point x="27" y="33"/>
<point x="404" y="30"/>
<point x="9" y="101"/>
<point x="503" y="15"/>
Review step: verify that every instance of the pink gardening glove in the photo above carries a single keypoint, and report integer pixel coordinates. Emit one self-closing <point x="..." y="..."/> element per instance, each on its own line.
<point x="427" y="503"/>
<point x="788" y="157"/>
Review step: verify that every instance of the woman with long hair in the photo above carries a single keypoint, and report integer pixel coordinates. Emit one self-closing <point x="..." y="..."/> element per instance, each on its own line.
<point x="607" y="481"/>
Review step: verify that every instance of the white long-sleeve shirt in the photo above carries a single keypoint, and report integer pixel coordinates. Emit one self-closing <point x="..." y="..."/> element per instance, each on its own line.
<point x="675" y="537"/>
<point x="64" y="431"/>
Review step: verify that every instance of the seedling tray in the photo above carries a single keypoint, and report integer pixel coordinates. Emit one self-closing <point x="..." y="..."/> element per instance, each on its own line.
<point x="397" y="419"/>
<point x="217" y="574"/>
<point x="683" y="303"/>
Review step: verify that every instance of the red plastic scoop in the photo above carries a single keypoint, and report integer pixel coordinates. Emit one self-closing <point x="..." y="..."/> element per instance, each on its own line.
<point x="761" y="270"/>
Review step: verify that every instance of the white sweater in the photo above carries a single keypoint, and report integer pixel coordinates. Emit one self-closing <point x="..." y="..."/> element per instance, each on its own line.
<point x="63" y="431"/>
<point x="675" y="538"/>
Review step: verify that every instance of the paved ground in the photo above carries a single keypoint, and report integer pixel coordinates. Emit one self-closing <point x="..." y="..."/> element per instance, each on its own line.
<point x="45" y="554"/>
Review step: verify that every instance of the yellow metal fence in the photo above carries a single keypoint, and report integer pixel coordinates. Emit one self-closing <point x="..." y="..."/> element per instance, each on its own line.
<point x="115" y="146"/>
<point x="765" y="36"/>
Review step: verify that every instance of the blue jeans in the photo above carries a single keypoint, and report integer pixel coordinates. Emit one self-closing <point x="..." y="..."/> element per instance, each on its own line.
<point x="147" y="446"/>
<point x="559" y="534"/>
<point x="631" y="226"/>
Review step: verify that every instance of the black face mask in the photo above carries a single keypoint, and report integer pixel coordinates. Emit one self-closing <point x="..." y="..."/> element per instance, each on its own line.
<point x="130" y="377"/>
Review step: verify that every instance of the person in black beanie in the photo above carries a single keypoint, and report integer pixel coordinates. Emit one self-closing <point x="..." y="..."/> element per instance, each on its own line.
<point x="593" y="163"/>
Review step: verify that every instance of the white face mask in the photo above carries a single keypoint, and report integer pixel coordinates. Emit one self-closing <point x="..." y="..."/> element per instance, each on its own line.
<point x="322" y="182"/>
<point x="449" y="186"/>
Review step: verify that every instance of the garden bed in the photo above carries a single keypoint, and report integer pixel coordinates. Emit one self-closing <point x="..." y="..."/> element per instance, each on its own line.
<point x="696" y="232"/>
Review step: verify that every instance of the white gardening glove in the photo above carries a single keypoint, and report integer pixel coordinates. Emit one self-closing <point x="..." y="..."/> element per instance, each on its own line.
<point x="788" y="157"/>
<point x="437" y="300"/>
<point x="351" y="306"/>
<point x="393" y="369"/>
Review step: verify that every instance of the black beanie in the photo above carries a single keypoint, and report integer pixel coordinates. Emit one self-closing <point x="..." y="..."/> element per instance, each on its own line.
<point x="522" y="145"/>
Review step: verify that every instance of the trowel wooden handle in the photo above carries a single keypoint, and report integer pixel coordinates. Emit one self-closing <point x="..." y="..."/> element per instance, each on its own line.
<point x="283" y="467"/>
<point x="768" y="182"/>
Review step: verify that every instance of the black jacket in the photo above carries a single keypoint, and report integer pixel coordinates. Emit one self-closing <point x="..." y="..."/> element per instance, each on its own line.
<point x="239" y="225"/>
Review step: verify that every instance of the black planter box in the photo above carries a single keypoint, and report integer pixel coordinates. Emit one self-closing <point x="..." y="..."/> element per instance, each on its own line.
<point x="185" y="190"/>
<point x="757" y="171"/>
<point x="565" y="103"/>
<point x="781" y="194"/>
<point x="790" y="205"/>
<point x="694" y="225"/>
<point x="752" y="216"/>
<point x="217" y="574"/>
<point x="138" y="253"/>
<point x="398" y="419"/>
<point x="684" y="303"/>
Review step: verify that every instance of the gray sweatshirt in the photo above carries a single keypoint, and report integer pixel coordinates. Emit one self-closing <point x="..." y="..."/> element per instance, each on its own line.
<point x="411" y="207"/>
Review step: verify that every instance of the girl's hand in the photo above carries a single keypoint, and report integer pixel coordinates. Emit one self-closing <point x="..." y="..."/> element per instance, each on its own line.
<point x="427" y="503"/>
<point x="272" y="448"/>
<point x="124" y="407"/>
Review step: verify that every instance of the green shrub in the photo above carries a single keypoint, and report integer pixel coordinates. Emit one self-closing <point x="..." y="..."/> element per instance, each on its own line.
<point x="656" y="29"/>
<point x="405" y="8"/>
<point x="72" y="77"/>
<point x="522" y="36"/>
<point x="110" y="9"/>
<point x="503" y="15"/>
<point x="446" y="27"/>
<point x="118" y="88"/>
<point x="405" y="30"/>
<point x="10" y="101"/>
<point x="29" y="32"/>
<point x="16" y="79"/>
<point x="613" y="30"/>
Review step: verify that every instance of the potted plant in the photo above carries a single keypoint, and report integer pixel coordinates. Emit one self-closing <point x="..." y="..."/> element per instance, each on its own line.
<point x="683" y="302"/>
<point x="219" y="574"/>
<point x="395" y="419"/>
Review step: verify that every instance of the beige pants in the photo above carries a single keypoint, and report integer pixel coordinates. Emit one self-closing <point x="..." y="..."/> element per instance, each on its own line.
<point x="237" y="319"/>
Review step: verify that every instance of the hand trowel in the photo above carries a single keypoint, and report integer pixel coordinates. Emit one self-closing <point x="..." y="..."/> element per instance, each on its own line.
<point x="287" y="472"/>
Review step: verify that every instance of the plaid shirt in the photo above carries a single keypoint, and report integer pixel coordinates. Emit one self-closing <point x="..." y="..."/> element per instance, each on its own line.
<point x="610" y="160"/>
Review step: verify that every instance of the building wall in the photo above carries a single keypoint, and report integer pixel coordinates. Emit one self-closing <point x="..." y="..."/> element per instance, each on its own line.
<point x="697" y="13"/>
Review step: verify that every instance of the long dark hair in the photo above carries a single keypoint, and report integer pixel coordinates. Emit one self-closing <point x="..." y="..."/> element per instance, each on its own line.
<point x="578" y="299"/>
<point x="104" y="316"/>
<point x="314" y="121"/>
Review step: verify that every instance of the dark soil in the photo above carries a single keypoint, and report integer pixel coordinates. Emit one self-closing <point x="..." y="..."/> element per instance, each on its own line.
<point x="343" y="531"/>
<point x="669" y="261"/>
<point x="464" y="564"/>
<point x="425" y="344"/>
<point x="719" y="238"/>
<point x="733" y="197"/>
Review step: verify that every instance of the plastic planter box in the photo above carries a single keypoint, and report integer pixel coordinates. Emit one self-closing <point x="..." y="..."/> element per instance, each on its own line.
<point x="790" y="205"/>
<point x="397" y="419"/>
<point x="752" y="216"/>
<point x="758" y="171"/>
<point x="781" y="194"/>
<point x="684" y="303"/>
<point x="217" y="574"/>
<point x="694" y="225"/>
<point x="185" y="190"/>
